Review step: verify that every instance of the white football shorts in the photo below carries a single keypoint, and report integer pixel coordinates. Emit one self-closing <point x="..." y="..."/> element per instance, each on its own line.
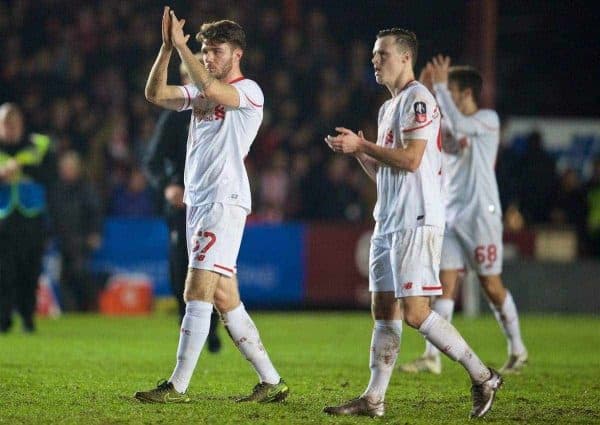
<point x="476" y="244"/>
<point x="406" y="262"/>
<point x="214" y="234"/>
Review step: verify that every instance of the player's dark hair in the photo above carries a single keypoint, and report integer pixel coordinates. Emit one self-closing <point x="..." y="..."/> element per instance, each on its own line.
<point x="405" y="39"/>
<point x="224" y="31"/>
<point x="467" y="77"/>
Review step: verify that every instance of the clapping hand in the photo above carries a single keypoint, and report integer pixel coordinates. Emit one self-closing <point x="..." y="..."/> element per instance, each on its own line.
<point x="166" y="28"/>
<point x="346" y="141"/>
<point x="178" y="38"/>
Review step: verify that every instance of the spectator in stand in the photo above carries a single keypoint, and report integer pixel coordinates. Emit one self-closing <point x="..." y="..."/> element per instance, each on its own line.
<point x="592" y="192"/>
<point x="76" y="215"/>
<point x="274" y="189"/>
<point x="507" y="162"/>
<point x="339" y="199"/>
<point x="537" y="181"/>
<point x="570" y="207"/>
<point x="134" y="199"/>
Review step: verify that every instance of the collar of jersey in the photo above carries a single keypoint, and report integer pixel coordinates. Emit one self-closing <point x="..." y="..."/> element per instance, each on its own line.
<point x="405" y="87"/>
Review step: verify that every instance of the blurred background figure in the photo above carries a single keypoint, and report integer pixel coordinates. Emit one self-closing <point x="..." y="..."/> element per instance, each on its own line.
<point x="592" y="193"/>
<point x="569" y="206"/>
<point x="537" y="180"/>
<point x="76" y="217"/>
<point x="26" y="169"/>
<point x="164" y="165"/>
<point x="274" y="184"/>
<point x="133" y="198"/>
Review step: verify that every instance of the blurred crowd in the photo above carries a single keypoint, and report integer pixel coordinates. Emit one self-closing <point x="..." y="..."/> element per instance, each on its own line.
<point x="80" y="76"/>
<point x="78" y="70"/>
<point x="534" y="190"/>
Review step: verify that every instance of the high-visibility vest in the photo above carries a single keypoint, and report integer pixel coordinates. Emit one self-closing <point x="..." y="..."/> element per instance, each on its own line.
<point x="23" y="193"/>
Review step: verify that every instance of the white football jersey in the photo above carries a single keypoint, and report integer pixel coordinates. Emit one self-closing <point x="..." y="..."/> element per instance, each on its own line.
<point x="470" y="146"/>
<point x="218" y="141"/>
<point x="405" y="199"/>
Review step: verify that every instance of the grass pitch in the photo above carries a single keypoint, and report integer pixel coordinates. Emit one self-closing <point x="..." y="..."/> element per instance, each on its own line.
<point x="85" y="369"/>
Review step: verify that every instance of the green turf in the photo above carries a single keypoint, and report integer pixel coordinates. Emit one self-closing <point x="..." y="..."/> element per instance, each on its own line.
<point x="84" y="370"/>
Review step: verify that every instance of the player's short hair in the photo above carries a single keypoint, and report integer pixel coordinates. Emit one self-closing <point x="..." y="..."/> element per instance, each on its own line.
<point x="405" y="39"/>
<point x="224" y="31"/>
<point x="467" y="77"/>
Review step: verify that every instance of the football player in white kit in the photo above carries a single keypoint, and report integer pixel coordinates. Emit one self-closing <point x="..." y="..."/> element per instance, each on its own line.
<point x="227" y="112"/>
<point x="405" y="163"/>
<point x="473" y="214"/>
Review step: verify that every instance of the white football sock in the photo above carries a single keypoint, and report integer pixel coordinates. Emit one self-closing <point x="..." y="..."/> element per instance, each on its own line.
<point x="508" y="319"/>
<point x="194" y="330"/>
<point x="447" y="339"/>
<point x="444" y="307"/>
<point x="385" y="344"/>
<point x="244" y="334"/>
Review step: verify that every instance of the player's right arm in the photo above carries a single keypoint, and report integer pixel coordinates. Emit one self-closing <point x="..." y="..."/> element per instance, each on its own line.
<point x="459" y="123"/>
<point x="157" y="91"/>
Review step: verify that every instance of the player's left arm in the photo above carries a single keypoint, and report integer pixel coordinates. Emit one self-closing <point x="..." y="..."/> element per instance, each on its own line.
<point x="213" y="89"/>
<point x="407" y="159"/>
<point x="369" y="164"/>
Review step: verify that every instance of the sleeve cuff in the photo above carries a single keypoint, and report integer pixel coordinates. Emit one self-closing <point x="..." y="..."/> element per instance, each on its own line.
<point x="440" y="86"/>
<point x="187" y="98"/>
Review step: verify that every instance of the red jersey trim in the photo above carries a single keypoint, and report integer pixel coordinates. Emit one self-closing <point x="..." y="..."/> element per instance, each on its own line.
<point x="189" y="98"/>
<point x="250" y="100"/>
<point x="224" y="268"/>
<point x="406" y="86"/>
<point x="416" y="128"/>
<point x="431" y="288"/>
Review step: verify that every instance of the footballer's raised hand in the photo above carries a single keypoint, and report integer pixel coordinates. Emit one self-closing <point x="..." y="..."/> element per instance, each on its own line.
<point x="166" y="28"/>
<point x="440" y="66"/>
<point x="426" y="77"/>
<point x="178" y="38"/>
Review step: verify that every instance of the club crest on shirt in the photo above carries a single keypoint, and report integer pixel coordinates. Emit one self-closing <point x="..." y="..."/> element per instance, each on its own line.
<point x="389" y="138"/>
<point x="206" y="110"/>
<point x="420" y="112"/>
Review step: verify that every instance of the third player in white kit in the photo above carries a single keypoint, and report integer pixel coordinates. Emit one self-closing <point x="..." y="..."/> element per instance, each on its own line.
<point x="473" y="236"/>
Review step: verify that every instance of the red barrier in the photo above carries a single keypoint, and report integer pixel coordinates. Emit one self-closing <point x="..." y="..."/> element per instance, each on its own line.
<point x="127" y="295"/>
<point x="46" y="302"/>
<point x="337" y="259"/>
